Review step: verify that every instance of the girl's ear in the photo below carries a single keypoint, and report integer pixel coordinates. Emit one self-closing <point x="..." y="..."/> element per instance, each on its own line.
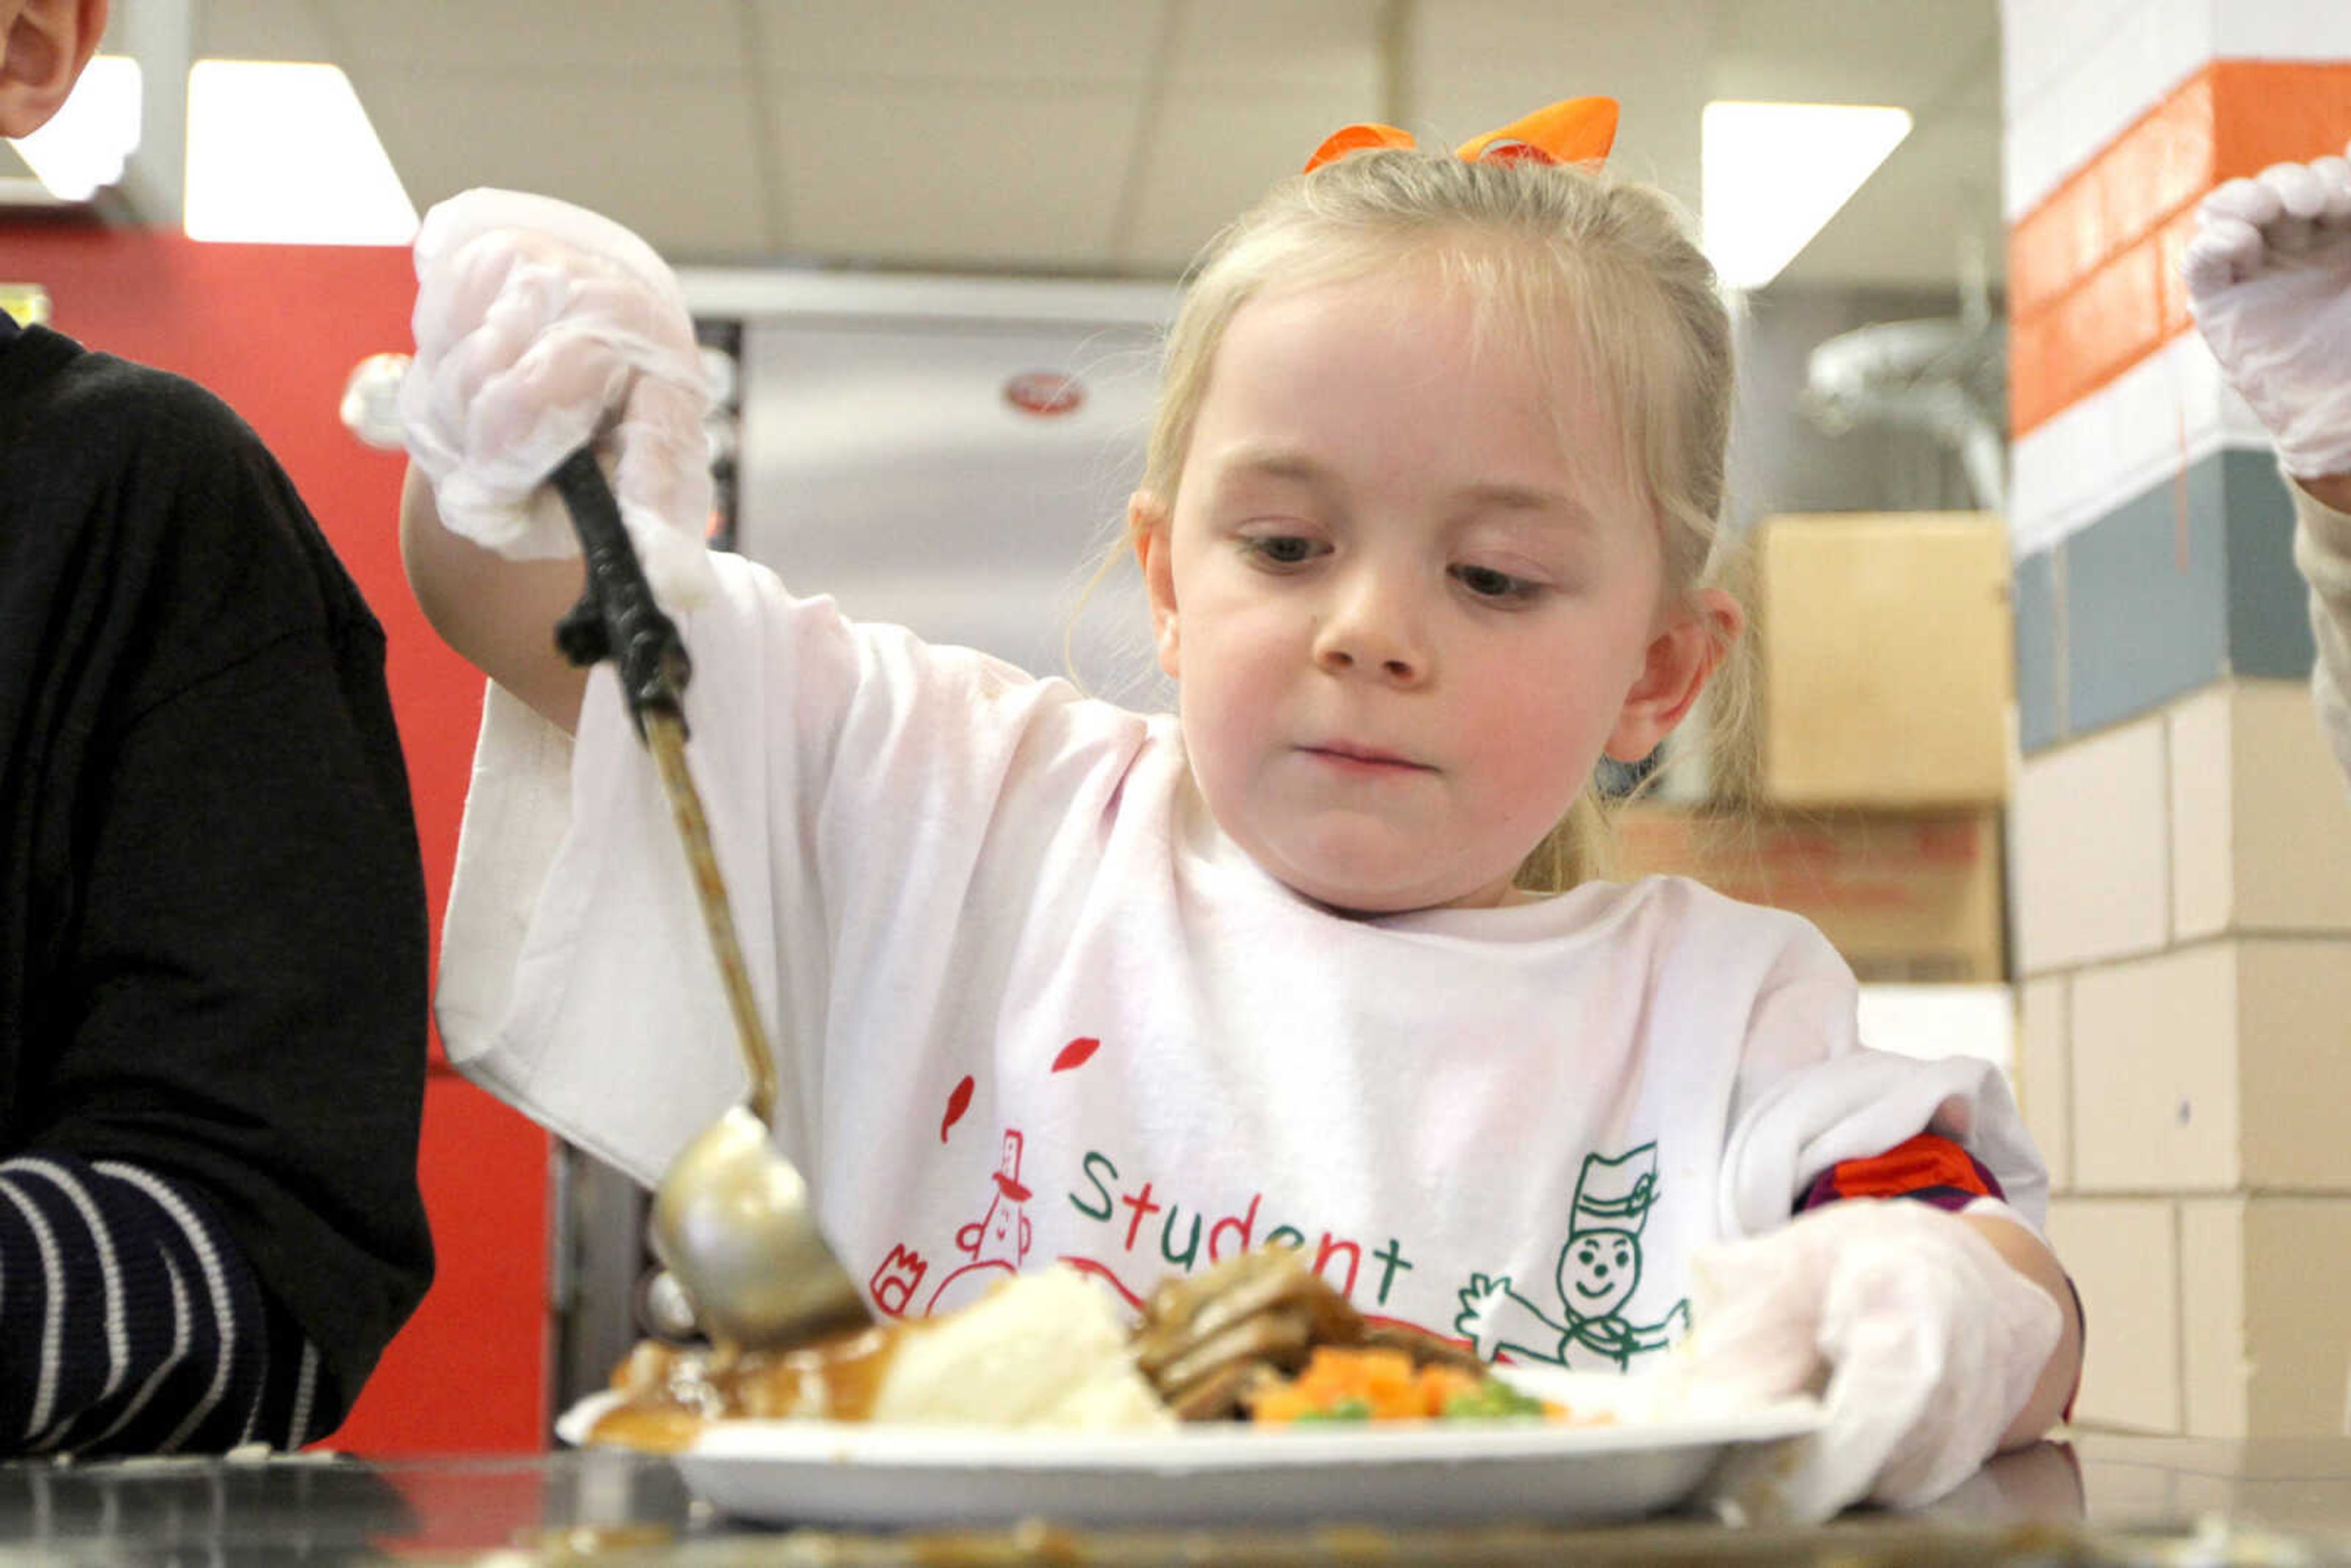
<point x="47" y="45"/>
<point x="1683" y="656"/>
<point x="1149" y="528"/>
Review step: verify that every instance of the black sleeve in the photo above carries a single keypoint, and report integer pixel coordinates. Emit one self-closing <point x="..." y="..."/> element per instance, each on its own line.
<point x="239" y="999"/>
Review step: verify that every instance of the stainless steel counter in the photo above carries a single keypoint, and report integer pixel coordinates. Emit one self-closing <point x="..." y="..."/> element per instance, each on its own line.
<point x="2095" y="1501"/>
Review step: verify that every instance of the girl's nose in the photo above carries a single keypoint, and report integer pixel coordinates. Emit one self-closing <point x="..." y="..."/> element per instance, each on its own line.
<point x="1369" y="626"/>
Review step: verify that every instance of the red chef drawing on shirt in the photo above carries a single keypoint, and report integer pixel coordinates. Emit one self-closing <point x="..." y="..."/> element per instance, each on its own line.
<point x="998" y="1239"/>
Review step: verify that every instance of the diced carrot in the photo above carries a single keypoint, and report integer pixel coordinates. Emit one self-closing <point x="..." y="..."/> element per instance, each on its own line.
<point x="1329" y="1374"/>
<point x="1390" y="1385"/>
<point x="1381" y="1384"/>
<point x="1439" y="1383"/>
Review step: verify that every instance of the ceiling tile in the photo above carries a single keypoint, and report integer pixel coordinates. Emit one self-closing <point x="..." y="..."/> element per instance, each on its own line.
<point x="1852" y="51"/>
<point x="1478" y="64"/>
<point x="1066" y="43"/>
<point x="1215" y="152"/>
<point x="1316" y="45"/>
<point x="953" y="176"/>
<point x="1933" y="200"/>
<point x="1007" y="127"/>
<point x="262" y="30"/>
<point x="541" y="37"/>
<point x="692" y="189"/>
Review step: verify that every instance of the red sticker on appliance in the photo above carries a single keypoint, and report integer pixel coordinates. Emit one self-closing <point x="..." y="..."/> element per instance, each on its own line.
<point x="1044" y="393"/>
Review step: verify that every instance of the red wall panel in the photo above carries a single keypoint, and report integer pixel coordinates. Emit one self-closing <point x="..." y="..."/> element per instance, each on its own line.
<point x="470" y="1374"/>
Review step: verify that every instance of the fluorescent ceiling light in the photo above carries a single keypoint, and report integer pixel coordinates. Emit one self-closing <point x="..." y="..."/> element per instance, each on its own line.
<point x="1772" y="175"/>
<point x="82" y="148"/>
<point x="282" y="153"/>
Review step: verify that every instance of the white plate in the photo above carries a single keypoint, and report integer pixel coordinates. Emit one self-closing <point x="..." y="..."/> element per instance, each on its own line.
<point x="861" y="1474"/>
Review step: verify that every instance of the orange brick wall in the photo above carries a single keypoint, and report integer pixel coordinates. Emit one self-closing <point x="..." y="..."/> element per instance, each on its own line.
<point x="2093" y="269"/>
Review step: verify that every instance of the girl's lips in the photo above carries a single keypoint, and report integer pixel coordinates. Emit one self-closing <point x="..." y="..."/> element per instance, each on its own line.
<point x="1365" y="759"/>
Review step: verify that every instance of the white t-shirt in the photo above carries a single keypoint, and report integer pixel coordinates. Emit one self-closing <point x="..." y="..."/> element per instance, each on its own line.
<point x="2322" y="547"/>
<point x="1028" y="1005"/>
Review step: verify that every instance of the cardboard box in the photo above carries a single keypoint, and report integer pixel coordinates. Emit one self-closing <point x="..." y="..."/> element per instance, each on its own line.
<point x="1885" y="661"/>
<point x="1906" y="896"/>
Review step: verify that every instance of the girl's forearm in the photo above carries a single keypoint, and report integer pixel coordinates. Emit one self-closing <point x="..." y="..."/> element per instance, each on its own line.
<point x="2030" y="1257"/>
<point x="499" y="614"/>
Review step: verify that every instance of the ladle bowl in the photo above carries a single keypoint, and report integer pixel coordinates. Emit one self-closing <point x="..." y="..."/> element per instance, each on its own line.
<point x="732" y="1221"/>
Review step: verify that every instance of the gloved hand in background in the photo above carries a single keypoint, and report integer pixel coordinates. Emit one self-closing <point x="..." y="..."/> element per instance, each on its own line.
<point x="1922" y="1341"/>
<point x="539" y="327"/>
<point x="2269" y="281"/>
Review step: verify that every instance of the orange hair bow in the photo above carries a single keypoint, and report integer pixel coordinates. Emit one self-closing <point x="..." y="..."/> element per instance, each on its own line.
<point x="1575" y="131"/>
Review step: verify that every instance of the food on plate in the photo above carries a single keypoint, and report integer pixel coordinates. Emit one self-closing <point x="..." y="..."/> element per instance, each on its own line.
<point x="1257" y="1337"/>
<point x="1046" y="1349"/>
<point x="1262" y="1337"/>
<point x="1373" y="1383"/>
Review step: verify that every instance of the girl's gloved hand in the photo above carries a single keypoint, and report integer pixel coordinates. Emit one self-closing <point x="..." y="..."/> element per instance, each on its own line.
<point x="539" y="327"/>
<point x="2269" y="281"/>
<point x="1921" y="1340"/>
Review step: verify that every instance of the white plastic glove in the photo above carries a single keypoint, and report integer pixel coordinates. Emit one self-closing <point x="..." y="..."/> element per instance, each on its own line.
<point x="1922" y="1341"/>
<point x="541" y="326"/>
<point x="2269" y="281"/>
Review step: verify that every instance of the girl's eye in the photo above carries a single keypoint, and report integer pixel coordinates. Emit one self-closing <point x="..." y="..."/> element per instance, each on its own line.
<point x="1281" y="549"/>
<point x="1487" y="583"/>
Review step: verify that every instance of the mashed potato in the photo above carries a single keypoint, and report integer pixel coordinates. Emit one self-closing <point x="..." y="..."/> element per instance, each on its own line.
<point x="1042" y="1350"/>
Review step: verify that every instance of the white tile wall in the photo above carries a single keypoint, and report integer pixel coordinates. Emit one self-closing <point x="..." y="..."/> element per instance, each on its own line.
<point x="2293" y="1051"/>
<point x="2297" y="1277"/>
<point x="2215" y="1368"/>
<point x="2089" y="873"/>
<point x="2124" y="1256"/>
<point x="2080" y="71"/>
<point x="2204" y="815"/>
<point x="2281" y="29"/>
<point x="2261" y="828"/>
<point x="2046" y="1073"/>
<point x="2156" y="1078"/>
<point x="2291" y="820"/>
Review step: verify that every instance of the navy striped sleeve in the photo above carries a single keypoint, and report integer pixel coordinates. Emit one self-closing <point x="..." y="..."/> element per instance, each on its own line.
<point x="129" y="1323"/>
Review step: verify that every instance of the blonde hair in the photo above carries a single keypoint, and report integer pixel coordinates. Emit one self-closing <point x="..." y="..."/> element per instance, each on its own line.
<point x="1537" y="245"/>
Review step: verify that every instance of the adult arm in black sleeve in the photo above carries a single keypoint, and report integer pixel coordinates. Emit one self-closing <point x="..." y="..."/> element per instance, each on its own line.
<point x="226" y="991"/>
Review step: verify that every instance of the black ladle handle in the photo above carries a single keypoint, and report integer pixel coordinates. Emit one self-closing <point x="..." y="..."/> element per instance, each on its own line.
<point x="616" y="617"/>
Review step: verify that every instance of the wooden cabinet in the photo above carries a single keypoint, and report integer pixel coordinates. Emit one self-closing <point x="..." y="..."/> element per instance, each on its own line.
<point x="1885" y="660"/>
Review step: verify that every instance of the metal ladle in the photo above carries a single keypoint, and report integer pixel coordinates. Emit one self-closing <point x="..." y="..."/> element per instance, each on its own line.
<point x="731" y="1217"/>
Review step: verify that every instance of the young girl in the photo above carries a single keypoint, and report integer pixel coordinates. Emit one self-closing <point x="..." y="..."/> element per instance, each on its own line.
<point x="1426" y="513"/>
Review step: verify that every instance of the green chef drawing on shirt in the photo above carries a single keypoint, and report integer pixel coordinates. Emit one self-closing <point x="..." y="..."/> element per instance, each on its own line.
<point x="1598" y="1270"/>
